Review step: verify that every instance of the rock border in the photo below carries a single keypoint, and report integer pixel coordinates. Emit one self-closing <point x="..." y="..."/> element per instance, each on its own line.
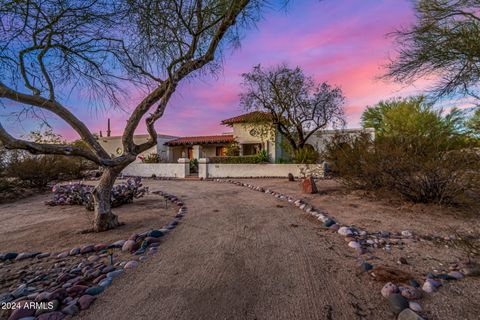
<point x="76" y="289"/>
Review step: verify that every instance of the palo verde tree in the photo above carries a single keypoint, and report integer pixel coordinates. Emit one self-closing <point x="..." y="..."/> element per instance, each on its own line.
<point x="442" y="44"/>
<point x="298" y="105"/>
<point x="50" y="47"/>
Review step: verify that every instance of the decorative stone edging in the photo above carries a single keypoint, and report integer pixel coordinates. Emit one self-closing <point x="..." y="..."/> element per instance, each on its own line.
<point x="77" y="288"/>
<point x="400" y="296"/>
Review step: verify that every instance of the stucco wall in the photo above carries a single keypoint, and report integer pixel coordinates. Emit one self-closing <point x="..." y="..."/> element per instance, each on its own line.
<point x="258" y="170"/>
<point x="241" y="133"/>
<point x="171" y="170"/>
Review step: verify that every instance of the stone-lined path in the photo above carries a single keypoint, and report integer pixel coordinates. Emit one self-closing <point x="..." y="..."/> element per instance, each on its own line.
<point x="242" y="255"/>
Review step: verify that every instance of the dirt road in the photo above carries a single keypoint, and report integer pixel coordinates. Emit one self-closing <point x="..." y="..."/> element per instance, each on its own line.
<point x="242" y="255"/>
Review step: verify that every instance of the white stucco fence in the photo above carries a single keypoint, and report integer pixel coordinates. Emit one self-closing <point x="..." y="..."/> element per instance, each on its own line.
<point x="216" y="170"/>
<point x="170" y="170"/>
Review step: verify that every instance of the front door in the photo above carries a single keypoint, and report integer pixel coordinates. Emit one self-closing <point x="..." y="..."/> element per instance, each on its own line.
<point x="190" y="153"/>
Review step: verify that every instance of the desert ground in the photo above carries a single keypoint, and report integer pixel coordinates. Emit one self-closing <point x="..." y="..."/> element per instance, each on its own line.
<point x="241" y="254"/>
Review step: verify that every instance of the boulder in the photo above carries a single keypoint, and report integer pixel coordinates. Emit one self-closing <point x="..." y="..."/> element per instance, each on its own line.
<point x="291" y="177"/>
<point x="85" y="301"/>
<point x="309" y="186"/>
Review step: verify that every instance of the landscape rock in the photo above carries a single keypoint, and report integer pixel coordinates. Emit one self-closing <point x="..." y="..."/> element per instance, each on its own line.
<point x="410" y="293"/>
<point x="70" y="309"/>
<point x="456" y="275"/>
<point x="128" y="245"/>
<point x="309" y="186"/>
<point x="155" y="234"/>
<point x="85" y="301"/>
<point x="397" y="303"/>
<point x="345" y="231"/>
<point x="87" y="249"/>
<point x="354" y="245"/>
<point x="74" y="251"/>
<point x="57" y="315"/>
<point x="415" y="306"/>
<point x="389" y="289"/>
<point x="408" y="314"/>
<point x="118" y="244"/>
<point x="131" y="264"/>
<point x="291" y="177"/>
<point x="93" y="291"/>
<point x="10" y="256"/>
<point x="22" y="311"/>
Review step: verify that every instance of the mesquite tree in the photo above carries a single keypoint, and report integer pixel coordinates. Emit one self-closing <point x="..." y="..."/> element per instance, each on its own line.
<point x="298" y="106"/>
<point x="50" y="47"/>
<point x="444" y="44"/>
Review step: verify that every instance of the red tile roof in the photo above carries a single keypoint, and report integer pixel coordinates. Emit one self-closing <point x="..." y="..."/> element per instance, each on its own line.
<point x="249" y="117"/>
<point x="224" y="138"/>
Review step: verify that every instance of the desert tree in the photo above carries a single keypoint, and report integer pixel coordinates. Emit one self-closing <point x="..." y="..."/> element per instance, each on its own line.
<point x="443" y="44"/>
<point x="295" y="103"/>
<point x="103" y="48"/>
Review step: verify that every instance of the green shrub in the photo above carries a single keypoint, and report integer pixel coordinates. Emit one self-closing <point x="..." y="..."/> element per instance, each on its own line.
<point x="152" y="158"/>
<point x="421" y="169"/>
<point x="306" y="155"/>
<point x="263" y="156"/>
<point x="38" y="171"/>
<point x="193" y="165"/>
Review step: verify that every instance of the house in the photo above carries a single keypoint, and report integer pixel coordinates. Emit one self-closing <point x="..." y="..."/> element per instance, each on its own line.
<point x="252" y="132"/>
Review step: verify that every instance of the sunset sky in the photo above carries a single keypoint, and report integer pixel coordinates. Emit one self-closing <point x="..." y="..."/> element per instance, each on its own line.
<point x="342" y="42"/>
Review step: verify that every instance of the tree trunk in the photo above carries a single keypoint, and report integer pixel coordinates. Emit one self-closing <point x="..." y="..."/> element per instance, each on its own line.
<point x="104" y="218"/>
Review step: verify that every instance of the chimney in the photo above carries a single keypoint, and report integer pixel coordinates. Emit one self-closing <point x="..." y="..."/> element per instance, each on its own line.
<point x="108" y="128"/>
<point x="101" y="135"/>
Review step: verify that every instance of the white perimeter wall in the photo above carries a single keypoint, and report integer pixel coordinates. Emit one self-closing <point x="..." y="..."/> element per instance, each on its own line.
<point x="171" y="170"/>
<point x="259" y="170"/>
<point x="213" y="170"/>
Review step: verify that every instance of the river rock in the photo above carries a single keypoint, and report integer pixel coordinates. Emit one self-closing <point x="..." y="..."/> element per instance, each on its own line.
<point x="428" y="287"/>
<point x="6" y="297"/>
<point x="74" y="251"/>
<point x="118" y="244"/>
<point x="365" y="266"/>
<point x="47" y="307"/>
<point x="71" y="309"/>
<point x="345" y="231"/>
<point x="105" y="282"/>
<point x="410" y="293"/>
<point x="25" y="255"/>
<point x="354" y="245"/>
<point x="131" y="264"/>
<point x="93" y="291"/>
<point x="155" y="234"/>
<point x="85" y="301"/>
<point x="10" y="256"/>
<point x="456" y="275"/>
<point x="22" y="311"/>
<point x="128" y="245"/>
<point x="57" y="315"/>
<point x="388" y="289"/>
<point x="100" y="247"/>
<point x="87" y="249"/>
<point x="329" y="222"/>
<point x="63" y="255"/>
<point x="93" y="258"/>
<point x="397" y="303"/>
<point x="408" y="314"/>
<point x="415" y="306"/>
<point x="114" y="274"/>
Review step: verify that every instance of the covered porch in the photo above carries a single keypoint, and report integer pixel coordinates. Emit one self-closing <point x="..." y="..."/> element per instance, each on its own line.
<point x="197" y="147"/>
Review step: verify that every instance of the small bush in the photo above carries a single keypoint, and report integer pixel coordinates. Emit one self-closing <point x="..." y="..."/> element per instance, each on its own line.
<point x="152" y="158"/>
<point x="306" y="155"/>
<point x="38" y="171"/>
<point x="263" y="156"/>
<point x="193" y="166"/>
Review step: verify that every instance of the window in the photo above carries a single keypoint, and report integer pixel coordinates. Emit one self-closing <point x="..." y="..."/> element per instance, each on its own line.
<point x="220" y="151"/>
